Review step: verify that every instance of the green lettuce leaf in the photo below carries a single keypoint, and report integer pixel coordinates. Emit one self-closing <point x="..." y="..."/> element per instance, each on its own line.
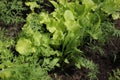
<point x="24" y="46"/>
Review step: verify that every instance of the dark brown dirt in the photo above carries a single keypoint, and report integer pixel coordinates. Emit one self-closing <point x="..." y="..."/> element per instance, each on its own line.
<point x="71" y="73"/>
<point x="117" y="24"/>
<point x="104" y="63"/>
<point x="12" y="29"/>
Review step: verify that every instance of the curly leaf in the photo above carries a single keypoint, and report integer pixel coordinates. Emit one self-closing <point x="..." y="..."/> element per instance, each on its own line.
<point x="89" y="4"/>
<point x="32" y="5"/>
<point x="36" y="37"/>
<point x="111" y="6"/>
<point x="24" y="46"/>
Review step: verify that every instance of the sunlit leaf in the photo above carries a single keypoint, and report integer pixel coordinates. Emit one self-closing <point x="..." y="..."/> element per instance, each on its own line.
<point x="24" y="46"/>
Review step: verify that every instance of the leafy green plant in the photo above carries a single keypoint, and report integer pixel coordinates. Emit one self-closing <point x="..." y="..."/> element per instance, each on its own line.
<point x="115" y="75"/>
<point x="11" y="11"/>
<point x="5" y="44"/>
<point x="17" y="67"/>
<point x="56" y="38"/>
<point x="112" y="7"/>
<point x="11" y="71"/>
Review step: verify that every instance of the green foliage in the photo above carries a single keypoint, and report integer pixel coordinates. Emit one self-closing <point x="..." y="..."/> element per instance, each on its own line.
<point x="24" y="71"/>
<point x="11" y="11"/>
<point x="89" y="65"/>
<point x="32" y="5"/>
<point x="116" y="33"/>
<point x="14" y="67"/>
<point x="115" y="75"/>
<point x="52" y="39"/>
<point x="112" y="7"/>
<point x="57" y="38"/>
<point x="5" y="44"/>
<point x="26" y="48"/>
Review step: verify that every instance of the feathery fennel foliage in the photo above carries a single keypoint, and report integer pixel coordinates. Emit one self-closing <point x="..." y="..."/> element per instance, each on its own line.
<point x="11" y="11"/>
<point x="115" y="75"/>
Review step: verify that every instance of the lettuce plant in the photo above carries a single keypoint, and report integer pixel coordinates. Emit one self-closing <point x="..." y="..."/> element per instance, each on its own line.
<point x="56" y="37"/>
<point x="14" y="67"/>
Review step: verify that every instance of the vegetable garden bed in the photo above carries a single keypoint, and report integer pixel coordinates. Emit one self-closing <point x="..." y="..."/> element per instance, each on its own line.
<point x="60" y="40"/>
